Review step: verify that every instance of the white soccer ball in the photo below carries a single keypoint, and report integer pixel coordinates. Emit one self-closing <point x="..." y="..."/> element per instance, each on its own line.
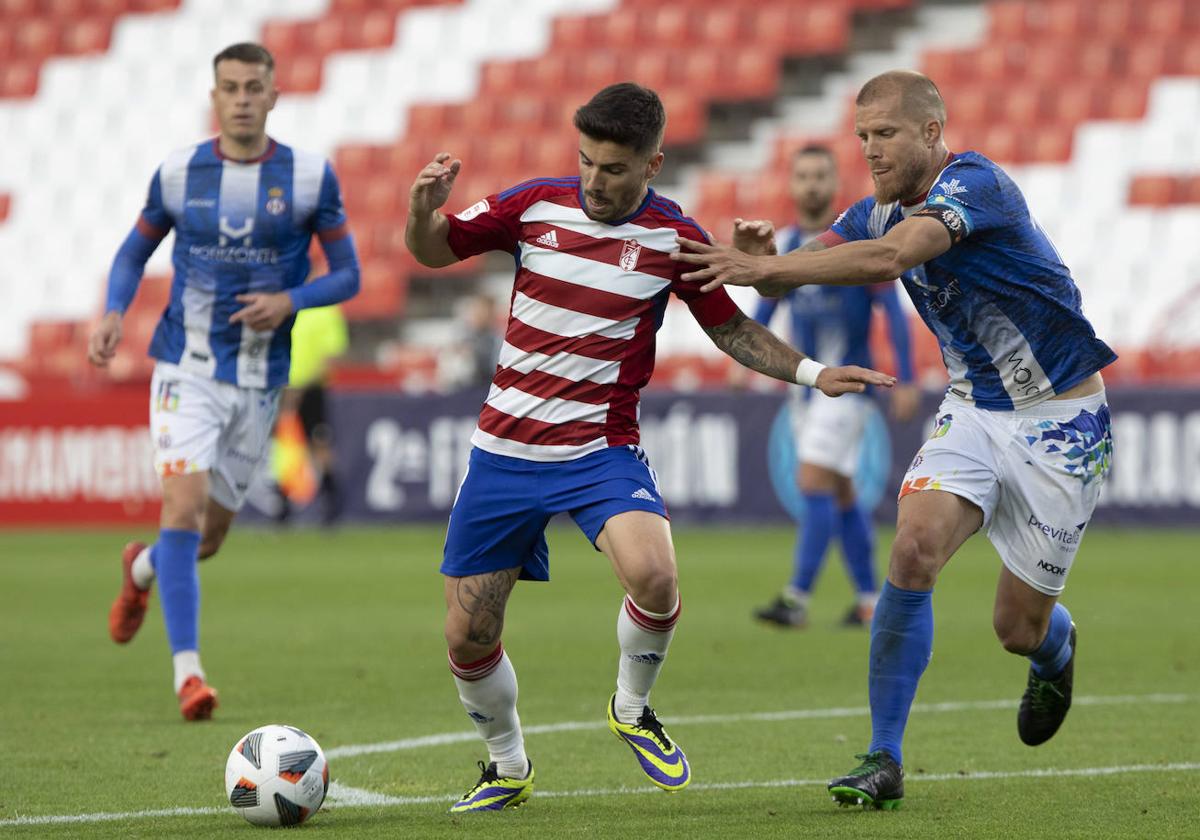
<point x="276" y="775"/>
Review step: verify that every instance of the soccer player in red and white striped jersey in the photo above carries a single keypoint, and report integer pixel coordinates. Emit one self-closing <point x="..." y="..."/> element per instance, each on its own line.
<point x="558" y="430"/>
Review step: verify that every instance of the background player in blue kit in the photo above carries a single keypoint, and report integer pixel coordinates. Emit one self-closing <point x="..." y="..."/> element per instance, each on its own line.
<point x="1022" y="441"/>
<point x="244" y="209"/>
<point x="828" y="322"/>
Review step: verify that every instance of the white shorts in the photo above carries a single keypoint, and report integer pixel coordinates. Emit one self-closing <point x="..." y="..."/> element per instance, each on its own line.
<point x="1035" y="474"/>
<point x="199" y="424"/>
<point x="829" y="430"/>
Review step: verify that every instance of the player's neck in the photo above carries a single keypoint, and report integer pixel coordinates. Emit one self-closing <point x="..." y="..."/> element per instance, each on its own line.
<point x="240" y="152"/>
<point x="939" y="162"/>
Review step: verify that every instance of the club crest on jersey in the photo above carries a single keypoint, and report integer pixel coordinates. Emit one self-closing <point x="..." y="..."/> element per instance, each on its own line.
<point x="474" y="210"/>
<point x="952" y="188"/>
<point x="630" y="252"/>
<point x="275" y="203"/>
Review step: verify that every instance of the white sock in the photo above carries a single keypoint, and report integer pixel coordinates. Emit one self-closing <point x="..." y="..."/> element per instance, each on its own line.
<point x="142" y="570"/>
<point x="796" y="596"/>
<point x="868" y="599"/>
<point x="187" y="663"/>
<point x="488" y="691"/>
<point x="644" y="638"/>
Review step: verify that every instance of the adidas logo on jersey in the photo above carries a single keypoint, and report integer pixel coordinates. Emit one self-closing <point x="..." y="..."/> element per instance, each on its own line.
<point x="643" y="493"/>
<point x="548" y="240"/>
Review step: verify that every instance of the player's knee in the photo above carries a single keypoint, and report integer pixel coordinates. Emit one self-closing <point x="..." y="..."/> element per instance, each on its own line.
<point x="1017" y="634"/>
<point x="1016" y="638"/>
<point x="464" y="646"/>
<point x="914" y="564"/>
<point x="656" y="590"/>
<point x="210" y="544"/>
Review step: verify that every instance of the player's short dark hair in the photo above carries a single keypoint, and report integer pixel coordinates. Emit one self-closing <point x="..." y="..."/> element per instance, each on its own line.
<point x="815" y="149"/>
<point x="246" y="52"/>
<point x="626" y="114"/>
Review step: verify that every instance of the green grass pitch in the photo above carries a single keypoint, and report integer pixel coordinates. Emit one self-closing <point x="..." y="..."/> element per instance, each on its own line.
<point x="340" y="634"/>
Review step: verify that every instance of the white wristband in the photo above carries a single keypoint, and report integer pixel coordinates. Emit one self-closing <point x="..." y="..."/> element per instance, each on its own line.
<point x="806" y="372"/>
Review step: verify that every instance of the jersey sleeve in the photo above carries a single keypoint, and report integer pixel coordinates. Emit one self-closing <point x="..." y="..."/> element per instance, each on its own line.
<point x="710" y="309"/>
<point x="490" y="224"/>
<point x="966" y="200"/>
<point x="851" y="225"/>
<point x="329" y="222"/>
<point x="155" y="222"/>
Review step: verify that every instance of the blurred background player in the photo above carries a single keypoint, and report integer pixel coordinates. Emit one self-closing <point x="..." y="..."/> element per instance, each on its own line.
<point x="829" y="322"/>
<point x="244" y="209"/>
<point x="558" y="431"/>
<point x="1023" y="435"/>
<point x="319" y="336"/>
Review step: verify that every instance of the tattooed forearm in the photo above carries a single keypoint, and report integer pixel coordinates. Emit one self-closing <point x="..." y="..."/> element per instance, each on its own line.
<point x="751" y="344"/>
<point x="778" y="287"/>
<point x="483" y="597"/>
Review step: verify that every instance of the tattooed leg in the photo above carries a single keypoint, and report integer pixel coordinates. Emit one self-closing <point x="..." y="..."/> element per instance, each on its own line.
<point x="475" y="612"/>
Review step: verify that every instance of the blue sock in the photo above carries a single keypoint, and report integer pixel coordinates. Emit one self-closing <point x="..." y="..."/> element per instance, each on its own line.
<point x="175" y="557"/>
<point x="901" y="644"/>
<point x="858" y="546"/>
<point x="819" y="517"/>
<point x="1055" y="650"/>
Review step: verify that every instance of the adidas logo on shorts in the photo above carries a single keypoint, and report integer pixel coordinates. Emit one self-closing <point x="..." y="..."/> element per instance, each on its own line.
<point x="643" y="493"/>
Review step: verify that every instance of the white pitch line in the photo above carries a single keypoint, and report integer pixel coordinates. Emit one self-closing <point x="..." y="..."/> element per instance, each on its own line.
<point x="356" y="797"/>
<point x="351" y="750"/>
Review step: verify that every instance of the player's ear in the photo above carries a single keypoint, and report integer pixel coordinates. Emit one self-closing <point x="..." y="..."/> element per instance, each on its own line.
<point x="933" y="133"/>
<point x="654" y="165"/>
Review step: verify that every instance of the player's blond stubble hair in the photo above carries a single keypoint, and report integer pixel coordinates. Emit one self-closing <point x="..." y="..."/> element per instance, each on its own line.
<point x="920" y="100"/>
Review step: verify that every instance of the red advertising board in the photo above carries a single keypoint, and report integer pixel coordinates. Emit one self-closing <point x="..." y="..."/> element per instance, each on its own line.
<point x="77" y="460"/>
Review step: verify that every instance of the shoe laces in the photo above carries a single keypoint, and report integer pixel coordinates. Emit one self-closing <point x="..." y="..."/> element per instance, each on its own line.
<point x="872" y="762"/>
<point x="488" y="773"/>
<point x="1044" y="695"/>
<point x="649" y="722"/>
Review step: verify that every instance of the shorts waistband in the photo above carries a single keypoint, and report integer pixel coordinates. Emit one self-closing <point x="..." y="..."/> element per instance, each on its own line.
<point x="1045" y="410"/>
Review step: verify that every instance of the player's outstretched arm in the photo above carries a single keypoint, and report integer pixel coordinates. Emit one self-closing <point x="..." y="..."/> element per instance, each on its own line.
<point x="426" y="232"/>
<point x="754" y="346"/>
<point x="915" y="240"/>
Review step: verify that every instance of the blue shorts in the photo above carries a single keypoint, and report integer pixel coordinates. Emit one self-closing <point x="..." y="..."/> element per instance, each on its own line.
<point x="504" y="504"/>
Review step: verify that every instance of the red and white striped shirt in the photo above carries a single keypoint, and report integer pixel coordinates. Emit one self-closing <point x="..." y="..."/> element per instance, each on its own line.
<point x="587" y="301"/>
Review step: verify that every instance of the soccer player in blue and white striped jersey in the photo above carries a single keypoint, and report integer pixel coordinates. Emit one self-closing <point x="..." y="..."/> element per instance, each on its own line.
<point x="1022" y="441"/>
<point x="244" y="209"/>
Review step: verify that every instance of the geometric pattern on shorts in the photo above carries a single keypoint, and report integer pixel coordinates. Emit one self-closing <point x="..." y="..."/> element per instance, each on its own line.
<point x="1084" y="443"/>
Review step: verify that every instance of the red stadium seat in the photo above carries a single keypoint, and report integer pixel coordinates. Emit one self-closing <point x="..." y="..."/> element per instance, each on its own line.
<point x="1152" y="190"/>
<point x="571" y="33"/>
<point x="1125" y="101"/>
<point x="1115" y="18"/>
<point x="1165" y="17"/>
<point x="86" y="36"/>
<point x="1006" y="19"/>
<point x="1051" y="144"/>
<point x="1148" y="58"/>
<point x="18" y="79"/>
<point x="1188" y="190"/>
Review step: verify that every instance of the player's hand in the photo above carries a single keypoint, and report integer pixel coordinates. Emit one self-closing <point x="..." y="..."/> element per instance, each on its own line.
<point x="432" y="187"/>
<point x="720" y="265"/>
<point x="850" y="379"/>
<point x="905" y="401"/>
<point x="263" y="311"/>
<point x="102" y="345"/>
<point x="754" y="236"/>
